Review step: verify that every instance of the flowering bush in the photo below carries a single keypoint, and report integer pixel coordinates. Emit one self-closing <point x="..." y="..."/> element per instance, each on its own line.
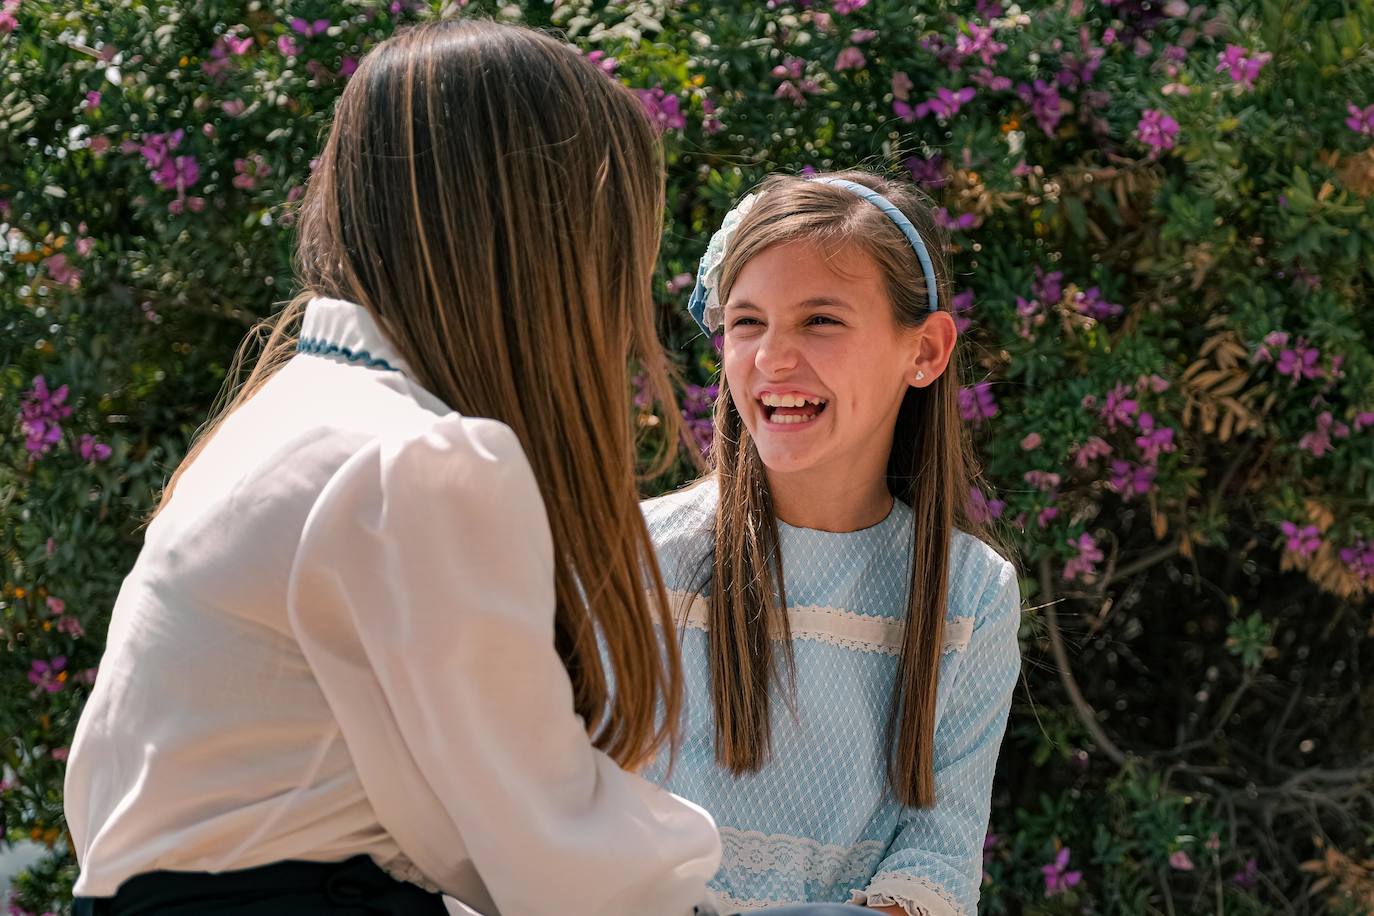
<point x="1162" y="228"/>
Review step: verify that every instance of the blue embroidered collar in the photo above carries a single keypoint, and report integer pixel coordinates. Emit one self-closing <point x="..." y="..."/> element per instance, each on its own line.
<point x="336" y="329"/>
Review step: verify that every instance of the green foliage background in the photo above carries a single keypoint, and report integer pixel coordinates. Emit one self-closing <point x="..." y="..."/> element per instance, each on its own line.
<point x="1193" y="725"/>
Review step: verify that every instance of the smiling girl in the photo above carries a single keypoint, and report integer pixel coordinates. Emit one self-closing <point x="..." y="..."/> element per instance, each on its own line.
<point x="849" y="636"/>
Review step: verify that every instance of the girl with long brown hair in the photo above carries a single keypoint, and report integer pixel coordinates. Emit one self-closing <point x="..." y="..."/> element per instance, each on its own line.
<point x="849" y="635"/>
<point x="356" y="663"/>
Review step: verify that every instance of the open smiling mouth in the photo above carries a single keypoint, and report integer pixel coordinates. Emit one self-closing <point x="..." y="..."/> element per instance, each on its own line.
<point x="791" y="409"/>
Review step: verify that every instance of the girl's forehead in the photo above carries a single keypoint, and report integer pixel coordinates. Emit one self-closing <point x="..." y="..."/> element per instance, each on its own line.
<point x="802" y="270"/>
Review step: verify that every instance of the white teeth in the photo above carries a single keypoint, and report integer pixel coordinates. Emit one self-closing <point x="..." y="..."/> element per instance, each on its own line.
<point x="789" y="400"/>
<point x="789" y="419"/>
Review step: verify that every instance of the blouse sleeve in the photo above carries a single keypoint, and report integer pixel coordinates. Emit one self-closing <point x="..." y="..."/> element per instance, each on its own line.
<point x="933" y="866"/>
<point x="423" y="599"/>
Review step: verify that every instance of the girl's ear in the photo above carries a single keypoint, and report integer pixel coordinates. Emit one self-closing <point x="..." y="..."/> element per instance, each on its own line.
<point x="932" y="348"/>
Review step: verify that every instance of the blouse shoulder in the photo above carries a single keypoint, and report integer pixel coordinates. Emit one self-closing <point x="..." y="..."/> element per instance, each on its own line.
<point x="680" y="525"/>
<point x="978" y="574"/>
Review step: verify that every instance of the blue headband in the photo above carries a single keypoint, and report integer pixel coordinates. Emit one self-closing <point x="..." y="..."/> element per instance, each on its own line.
<point x="704" y="304"/>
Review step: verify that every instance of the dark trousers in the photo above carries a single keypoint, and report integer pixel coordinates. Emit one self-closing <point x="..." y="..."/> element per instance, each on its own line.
<point x="357" y="887"/>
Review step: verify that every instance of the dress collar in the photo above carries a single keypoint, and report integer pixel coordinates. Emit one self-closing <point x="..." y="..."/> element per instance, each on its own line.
<point x="336" y="329"/>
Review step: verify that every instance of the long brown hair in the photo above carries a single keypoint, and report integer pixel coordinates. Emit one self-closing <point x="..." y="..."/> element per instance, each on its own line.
<point x="495" y="202"/>
<point x="930" y="469"/>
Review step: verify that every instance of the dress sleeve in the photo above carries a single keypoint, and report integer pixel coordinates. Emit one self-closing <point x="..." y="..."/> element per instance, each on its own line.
<point x="933" y="866"/>
<point x="423" y="599"/>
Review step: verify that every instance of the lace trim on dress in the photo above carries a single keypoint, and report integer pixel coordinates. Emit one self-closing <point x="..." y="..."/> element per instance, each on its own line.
<point x="836" y="627"/>
<point x="757" y="852"/>
<point x="918" y="895"/>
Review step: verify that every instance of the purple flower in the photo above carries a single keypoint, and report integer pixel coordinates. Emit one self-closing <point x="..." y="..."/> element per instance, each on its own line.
<point x="709" y="122"/>
<point x="663" y="109"/>
<point x="308" y="29"/>
<point x="1361" y="120"/>
<point x="287" y="46"/>
<point x="845" y="7"/>
<point x="1047" y="515"/>
<point x="1119" y="407"/>
<point x="1045" y="104"/>
<point x="1364" y="418"/>
<point x="983" y="510"/>
<point x="1057" y="877"/>
<point x="962" y="302"/>
<point x="8" y="21"/>
<point x="1243" y="65"/>
<point x="1360" y="559"/>
<point x="41" y="414"/>
<point x="697" y="403"/>
<point x="1154" y="440"/>
<point x="1048" y="287"/>
<point x="984" y="77"/>
<point x="978" y="42"/>
<point x="1091" y="302"/>
<point x="944" y="104"/>
<point x="1303" y="541"/>
<point x="1045" y="481"/>
<point x="989" y="9"/>
<point x="1131" y="480"/>
<point x="47" y="676"/>
<point x="605" y="64"/>
<point x="1157" y="130"/>
<point x="93" y="99"/>
<point x="348" y="66"/>
<point x="1299" y="362"/>
<point x="92" y="450"/>
<point x="850" y="58"/>
<point x="929" y="172"/>
<point x="1318" y="442"/>
<point x="976" y="403"/>
<point x="1248" y="877"/>
<point x="960" y="223"/>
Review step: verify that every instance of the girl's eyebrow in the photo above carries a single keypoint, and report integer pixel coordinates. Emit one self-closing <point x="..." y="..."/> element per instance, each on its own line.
<point x="830" y="302"/>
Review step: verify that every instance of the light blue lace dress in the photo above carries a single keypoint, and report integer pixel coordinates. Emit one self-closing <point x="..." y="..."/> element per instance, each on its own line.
<point x="818" y="823"/>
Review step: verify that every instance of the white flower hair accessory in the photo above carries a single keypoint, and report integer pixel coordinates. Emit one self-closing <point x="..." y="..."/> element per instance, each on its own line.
<point x="705" y="305"/>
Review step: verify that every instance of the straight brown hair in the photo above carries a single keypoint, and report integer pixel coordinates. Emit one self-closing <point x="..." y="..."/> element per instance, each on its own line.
<point x="931" y="469"/>
<point x="495" y="202"/>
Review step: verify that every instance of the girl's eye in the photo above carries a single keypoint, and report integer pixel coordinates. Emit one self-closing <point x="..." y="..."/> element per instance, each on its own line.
<point x="741" y="322"/>
<point x="822" y="320"/>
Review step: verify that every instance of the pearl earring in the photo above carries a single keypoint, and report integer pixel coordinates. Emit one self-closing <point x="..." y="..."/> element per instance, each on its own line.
<point x="920" y="375"/>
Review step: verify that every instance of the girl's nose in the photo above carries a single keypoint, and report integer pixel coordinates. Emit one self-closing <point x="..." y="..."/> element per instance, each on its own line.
<point x="777" y="352"/>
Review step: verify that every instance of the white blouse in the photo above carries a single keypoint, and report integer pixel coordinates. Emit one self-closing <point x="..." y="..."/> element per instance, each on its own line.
<point x="338" y="639"/>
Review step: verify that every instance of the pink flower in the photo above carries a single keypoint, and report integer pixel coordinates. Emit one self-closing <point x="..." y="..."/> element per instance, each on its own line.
<point x="1248" y="877"/>
<point x="1243" y="65"/>
<point x="978" y="42"/>
<point x="845" y="7"/>
<point x="45" y="676"/>
<point x="1047" y="515"/>
<point x="901" y="85"/>
<point x="348" y="66"/>
<point x="976" y="403"/>
<point x="1179" y="861"/>
<point x="1157" y="130"/>
<point x="1318" y="442"/>
<point x="238" y="46"/>
<point x="61" y="272"/>
<point x="983" y="510"/>
<point x="603" y="63"/>
<point x="1031" y="442"/>
<point x="960" y="223"/>
<point x="1154" y="440"/>
<point x="663" y="109"/>
<point x="929" y="172"/>
<point x="1094" y="448"/>
<point x="1119" y="408"/>
<point x="91" y="450"/>
<point x="862" y="36"/>
<point x="71" y="626"/>
<point x="1303" y="541"/>
<point x="56" y="606"/>
<point x="944" y="104"/>
<point x="1058" y="878"/>
<point x="248" y="171"/>
<point x="1131" y="480"/>
<point x="1299" y="362"/>
<point x="850" y="58"/>
<point x="233" y="107"/>
<point x="8" y="20"/>
<point x="92" y="100"/>
<point x="41" y="414"/>
<point x="962" y="302"/>
<point x="1045" y="481"/>
<point x="1364" y="418"/>
<point x="308" y="29"/>
<point x="1360" y="559"/>
<point x="1361" y="120"/>
<point x="288" y="47"/>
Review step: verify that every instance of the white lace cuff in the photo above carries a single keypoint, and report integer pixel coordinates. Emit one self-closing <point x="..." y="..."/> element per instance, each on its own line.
<point x="918" y="896"/>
